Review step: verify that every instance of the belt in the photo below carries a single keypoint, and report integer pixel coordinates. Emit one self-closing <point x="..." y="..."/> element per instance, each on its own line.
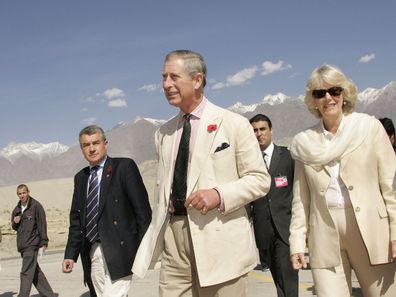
<point x="179" y="212"/>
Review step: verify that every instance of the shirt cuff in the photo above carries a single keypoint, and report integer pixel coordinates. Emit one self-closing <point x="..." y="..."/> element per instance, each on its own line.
<point x="221" y="207"/>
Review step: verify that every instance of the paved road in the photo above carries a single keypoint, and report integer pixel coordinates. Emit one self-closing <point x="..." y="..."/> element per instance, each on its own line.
<point x="70" y="285"/>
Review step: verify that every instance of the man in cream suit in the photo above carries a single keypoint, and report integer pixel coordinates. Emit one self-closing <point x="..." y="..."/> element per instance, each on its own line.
<point x="204" y="238"/>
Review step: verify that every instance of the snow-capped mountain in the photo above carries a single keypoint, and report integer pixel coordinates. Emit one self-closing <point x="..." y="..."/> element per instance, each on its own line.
<point x="135" y="139"/>
<point x="366" y="97"/>
<point x="275" y="99"/>
<point x="33" y="150"/>
<point x="369" y="95"/>
<point x="240" y="108"/>
<point x="271" y="100"/>
<point x="152" y="121"/>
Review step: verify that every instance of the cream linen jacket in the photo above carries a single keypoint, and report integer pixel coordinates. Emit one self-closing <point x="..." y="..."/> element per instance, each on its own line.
<point x="224" y="245"/>
<point x="369" y="175"/>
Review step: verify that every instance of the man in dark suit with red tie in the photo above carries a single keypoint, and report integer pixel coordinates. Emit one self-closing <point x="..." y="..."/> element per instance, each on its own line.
<point x="272" y="213"/>
<point x="109" y="215"/>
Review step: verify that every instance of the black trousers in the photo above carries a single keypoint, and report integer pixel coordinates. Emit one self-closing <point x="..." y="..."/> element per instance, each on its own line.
<point x="277" y="257"/>
<point x="32" y="274"/>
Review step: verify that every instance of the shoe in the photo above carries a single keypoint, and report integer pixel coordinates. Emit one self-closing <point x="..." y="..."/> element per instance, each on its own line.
<point x="262" y="267"/>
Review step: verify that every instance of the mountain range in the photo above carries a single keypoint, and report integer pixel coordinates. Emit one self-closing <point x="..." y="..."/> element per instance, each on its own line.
<point x="289" y="115"/>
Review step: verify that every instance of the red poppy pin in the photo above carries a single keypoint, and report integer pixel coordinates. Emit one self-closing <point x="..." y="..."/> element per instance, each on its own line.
<point x="212" y="127"/>
<point x="109" y="170"/>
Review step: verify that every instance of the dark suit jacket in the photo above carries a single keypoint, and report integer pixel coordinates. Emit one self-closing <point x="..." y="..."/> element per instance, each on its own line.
<point x="124" y="216"/>
<point x="277" y="204"/>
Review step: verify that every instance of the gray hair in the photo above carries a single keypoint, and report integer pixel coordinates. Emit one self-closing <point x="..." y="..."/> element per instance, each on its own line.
<point x="193" y="62"/>
<point x="91" y="130"/>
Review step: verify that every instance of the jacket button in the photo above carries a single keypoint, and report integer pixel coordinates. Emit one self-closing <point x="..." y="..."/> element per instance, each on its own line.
<point x="122" y="242"/>
<point x="357" y="208"/>
<point x="116" y="200"/>
<point x="81" y="232"/>
<point x="115" y="222"/>
<point x="78" y="210"/>
<point x="350" y="188"/>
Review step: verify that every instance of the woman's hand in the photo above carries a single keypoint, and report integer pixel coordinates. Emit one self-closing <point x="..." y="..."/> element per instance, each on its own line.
<point x="298" y="261"/>
<point x="393" y="245"/>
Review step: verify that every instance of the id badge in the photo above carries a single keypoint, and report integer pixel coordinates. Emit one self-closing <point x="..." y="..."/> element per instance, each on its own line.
<point x="281" y="182"/>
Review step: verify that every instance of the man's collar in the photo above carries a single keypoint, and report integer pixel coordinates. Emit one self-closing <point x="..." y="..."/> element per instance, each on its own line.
<point x="198" y="111"/>
<point x="101" y="164"/>
<point x="270" y="149"/>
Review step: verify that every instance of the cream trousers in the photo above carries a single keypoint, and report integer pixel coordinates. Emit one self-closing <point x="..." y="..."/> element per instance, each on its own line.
<point x="104" y="286"/>
<point x="178" y="276"/>
<point x="374" y="280"/>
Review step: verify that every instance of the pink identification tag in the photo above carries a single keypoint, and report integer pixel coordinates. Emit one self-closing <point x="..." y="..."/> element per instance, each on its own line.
<point x="281" y="181"/>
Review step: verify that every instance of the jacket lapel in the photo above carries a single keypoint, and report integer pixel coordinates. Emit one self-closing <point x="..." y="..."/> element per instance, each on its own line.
<point x="167" y="147"/>
<point x="83" y="193"/>
<point x="104" y="183"/>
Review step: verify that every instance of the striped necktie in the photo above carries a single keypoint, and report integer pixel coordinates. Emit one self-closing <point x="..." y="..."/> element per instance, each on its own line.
<point x="265" y="157"/>
<point x="92" y="206"/>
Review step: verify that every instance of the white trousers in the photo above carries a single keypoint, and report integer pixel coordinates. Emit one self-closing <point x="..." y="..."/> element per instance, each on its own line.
<point x="104" y="286"/>
<point x="178" y="274"/>
<point x="374" y="280"/>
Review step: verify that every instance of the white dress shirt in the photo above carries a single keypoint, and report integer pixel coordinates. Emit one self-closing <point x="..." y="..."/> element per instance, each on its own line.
<point x="336" y="195"/>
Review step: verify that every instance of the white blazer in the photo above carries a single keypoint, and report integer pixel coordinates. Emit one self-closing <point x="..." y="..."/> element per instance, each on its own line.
<point x="224" y="245"/>
<point x="369" y="175"/>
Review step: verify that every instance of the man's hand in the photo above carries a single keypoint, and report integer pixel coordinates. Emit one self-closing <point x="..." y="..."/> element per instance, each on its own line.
<point x="17" y="219"/>
<point x="67" y="265"/>
<point x="298" y="261"/>
<point x="393" y="243"/>
<point x="203" y="200"/>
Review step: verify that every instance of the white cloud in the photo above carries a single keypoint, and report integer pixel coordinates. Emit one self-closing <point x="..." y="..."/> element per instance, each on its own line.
<point x="367" y="58"/>
<point x="218" y="86"/>
<point x="237" y="79"/>
<point x="113" y="93"/>
<point x="88" y="121"/>
<point x="150" y="88"/>
<point x="118" y="103"/>
<point x="241" y="76"/>
<point x="269" y="67"/>
<point x="84" y="109"/>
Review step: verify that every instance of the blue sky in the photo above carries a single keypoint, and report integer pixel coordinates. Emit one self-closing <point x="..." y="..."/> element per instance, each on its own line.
<point x="66" y="64"/>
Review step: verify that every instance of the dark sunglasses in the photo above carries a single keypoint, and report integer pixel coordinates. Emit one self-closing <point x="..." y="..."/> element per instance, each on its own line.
<point x="333" y="91"/>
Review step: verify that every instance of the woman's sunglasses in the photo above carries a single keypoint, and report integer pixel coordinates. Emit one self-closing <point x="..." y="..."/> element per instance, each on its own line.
<point x="333" y="91"/>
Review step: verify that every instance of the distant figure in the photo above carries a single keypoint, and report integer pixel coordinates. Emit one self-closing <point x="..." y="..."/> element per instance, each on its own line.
<point x="390" y="130"/>
<point x="109" y="215"/>
<point x="271" y="214"/>
<point x="344" y="199"/>
<point x="210" y="167"/>
<point x="28" y="219"/>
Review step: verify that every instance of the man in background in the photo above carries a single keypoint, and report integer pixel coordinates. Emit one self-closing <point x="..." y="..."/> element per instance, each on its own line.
<point x="28" y="219"/>
<point x="109" y="215"/>
<point x="271" y="214"/>
<point x="390" y="130"/>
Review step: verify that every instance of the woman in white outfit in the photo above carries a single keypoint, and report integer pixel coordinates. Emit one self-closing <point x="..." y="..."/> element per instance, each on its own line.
<point x="344" y="205"/>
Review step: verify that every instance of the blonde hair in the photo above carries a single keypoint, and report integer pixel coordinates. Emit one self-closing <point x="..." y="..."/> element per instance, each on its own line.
<point x="333" y="76"/>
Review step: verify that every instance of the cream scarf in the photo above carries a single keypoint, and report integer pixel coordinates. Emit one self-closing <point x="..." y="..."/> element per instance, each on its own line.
<point x="310" y="147"/>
